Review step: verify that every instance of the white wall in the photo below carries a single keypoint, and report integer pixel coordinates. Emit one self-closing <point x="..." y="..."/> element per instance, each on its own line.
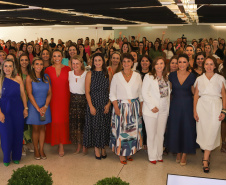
<point x="70" y="33"/>
<point x="173" y="32"/>
<point x="57" y="32"/>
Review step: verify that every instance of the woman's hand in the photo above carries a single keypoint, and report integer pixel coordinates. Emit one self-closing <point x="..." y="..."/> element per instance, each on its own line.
<point x="42" y="110"/>
<point x="221" y="117"/>
<point x="25" y="113"/>
<point x="196" y="116"/>
<point x="2" y="117"/>
<point x="155" y="110"/>
<point x="93" y="110"/>
<point x="117" y="111"/>
<point x="106" y="108"/>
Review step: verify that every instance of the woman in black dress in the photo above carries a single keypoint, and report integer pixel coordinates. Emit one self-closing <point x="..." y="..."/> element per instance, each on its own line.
<point x="98" y="117"/>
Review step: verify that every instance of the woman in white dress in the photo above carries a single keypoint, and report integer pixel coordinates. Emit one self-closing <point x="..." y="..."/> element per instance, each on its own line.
<point x="126" y="124"/>
<point x="156" y="95"/>
<point x="208" y="112"/>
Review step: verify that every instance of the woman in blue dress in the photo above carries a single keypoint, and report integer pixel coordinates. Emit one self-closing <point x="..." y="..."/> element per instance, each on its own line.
<point x="13" y="110"/>
<point x="181" y="133"/>
<point x="39" y="93"/>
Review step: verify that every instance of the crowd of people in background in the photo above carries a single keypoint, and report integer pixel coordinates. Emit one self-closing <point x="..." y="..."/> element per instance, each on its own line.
<point x="126" y="93"/>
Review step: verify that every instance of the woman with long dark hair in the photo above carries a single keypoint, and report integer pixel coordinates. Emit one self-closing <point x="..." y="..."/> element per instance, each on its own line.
<point x="39" y="93"/>
<point x="169" y="51"/>
<point x="46" y="57"/>
<point x="97" y="126"/>
<point x="72" y="51"/>
<point x="198" y="64"/>
<point x="30" y="52"/>
<point x="82" y="53"/>
<point x="181" y="129"/>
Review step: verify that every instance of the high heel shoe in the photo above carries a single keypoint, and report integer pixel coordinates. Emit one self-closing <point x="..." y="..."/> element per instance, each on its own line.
<point x="98" y="158"/>
<point x="206" y="169"/>
<point x="103" y="156"/>
<point x="129" y="158"/>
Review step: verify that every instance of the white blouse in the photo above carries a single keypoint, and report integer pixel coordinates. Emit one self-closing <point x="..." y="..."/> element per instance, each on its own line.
<point x="77" y="83"/>
<point x="169" y="54"/>
<point x="210" y="87"/>
<point x="123" y="90"/>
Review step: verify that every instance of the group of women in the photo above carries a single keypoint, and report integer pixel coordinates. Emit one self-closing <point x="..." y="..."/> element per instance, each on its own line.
<point x="120" y="106"/>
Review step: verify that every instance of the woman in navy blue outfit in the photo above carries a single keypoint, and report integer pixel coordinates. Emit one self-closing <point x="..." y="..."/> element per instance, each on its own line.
<point x="181" y="136"/>
<point x="39" y="93"/>
<point x="12" y="113"/>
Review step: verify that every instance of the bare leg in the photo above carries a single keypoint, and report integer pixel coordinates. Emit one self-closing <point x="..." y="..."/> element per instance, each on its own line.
<point x="61" y="150"/>
<point x="178" y="159"/>
<point x="206" y="158"/>
<point x="78" y="148"/>
<point x="42" y="140"/>
<point x="35" y="138"/>
<point x="183" y="159"/>
<point x="84" y="150"/>
<point x="97" y="152"/>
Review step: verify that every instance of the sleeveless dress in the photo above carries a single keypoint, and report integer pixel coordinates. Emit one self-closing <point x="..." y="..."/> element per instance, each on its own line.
<point x="181" y="133"/>
<point x="39" y="90"/>
<point x="97" y="128"/>
<point x="11" y="130"/>
<point x="57" y="132"/>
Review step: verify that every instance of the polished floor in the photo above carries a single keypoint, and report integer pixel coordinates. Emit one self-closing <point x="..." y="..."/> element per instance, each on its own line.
<point x="86" y="170"/>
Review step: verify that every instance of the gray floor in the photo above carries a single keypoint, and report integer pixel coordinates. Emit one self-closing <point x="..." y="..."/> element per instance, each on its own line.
<point x="86" y="170"/>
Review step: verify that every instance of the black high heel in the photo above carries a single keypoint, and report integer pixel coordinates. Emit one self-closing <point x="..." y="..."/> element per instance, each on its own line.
<point x="206" y="169"/>
<point x="103" y="156"/>
<point x="99" y="158"/>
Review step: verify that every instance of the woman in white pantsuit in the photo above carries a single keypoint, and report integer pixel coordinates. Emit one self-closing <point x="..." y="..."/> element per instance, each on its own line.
<point x="208" y="112"/>
<point x="156" y="95"/>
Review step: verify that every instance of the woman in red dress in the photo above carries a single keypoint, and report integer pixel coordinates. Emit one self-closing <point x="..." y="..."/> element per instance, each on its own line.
<point x="57" y="132"/>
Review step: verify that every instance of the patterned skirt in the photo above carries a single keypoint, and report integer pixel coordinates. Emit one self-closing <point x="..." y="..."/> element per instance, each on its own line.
<point x="126" y="129"/>
<point x="77" y="117"/>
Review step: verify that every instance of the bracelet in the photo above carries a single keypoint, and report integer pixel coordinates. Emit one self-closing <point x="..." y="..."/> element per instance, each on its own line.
<point x="26" y="108"/>
<point x="223" y="111"/>
<point x="46" y="106"/>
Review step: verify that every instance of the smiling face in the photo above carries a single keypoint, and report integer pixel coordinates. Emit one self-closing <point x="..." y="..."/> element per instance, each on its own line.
<point x="115" y="59"/>
<point x="183" y="64"/>
<point x="81" y="48"/>
<point x="2" y="56"/>
<point x="76" y="65"/>
<point x="134" y="54"/>
<point x="125" y="48"/>
<point x="38" y="66"/>
<point x="173" y="65"/>
<point x="189" y="51"/>
<point x="127" y="64"/>
<point x="72" y="51"/>
<point x="30" y="49"/>
<point x="57" y="57"/>
<point x="207" y="49"/>
<point x="24" y="61"/>
<point x="209" y="65"/>
<point x="8" y="68"/>
<point x="145" y="63"/>
<point x="200" y="60"/>
<point x="45" y="55"/>
<point x="98" y="62"/>
<point x="159" y="66"/>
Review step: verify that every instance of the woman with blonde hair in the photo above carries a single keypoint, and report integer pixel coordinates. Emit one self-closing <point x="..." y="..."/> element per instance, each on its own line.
<point x="13" y="110"/>
<point x="115" y="63"/>
<point x="77" y="102"/>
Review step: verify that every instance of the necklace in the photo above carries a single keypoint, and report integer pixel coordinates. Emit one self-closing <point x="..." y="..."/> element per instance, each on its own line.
<point x="128" y="74"/>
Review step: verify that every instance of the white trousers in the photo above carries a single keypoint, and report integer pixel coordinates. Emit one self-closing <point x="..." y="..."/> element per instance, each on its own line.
<point x="155" y="129"/>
